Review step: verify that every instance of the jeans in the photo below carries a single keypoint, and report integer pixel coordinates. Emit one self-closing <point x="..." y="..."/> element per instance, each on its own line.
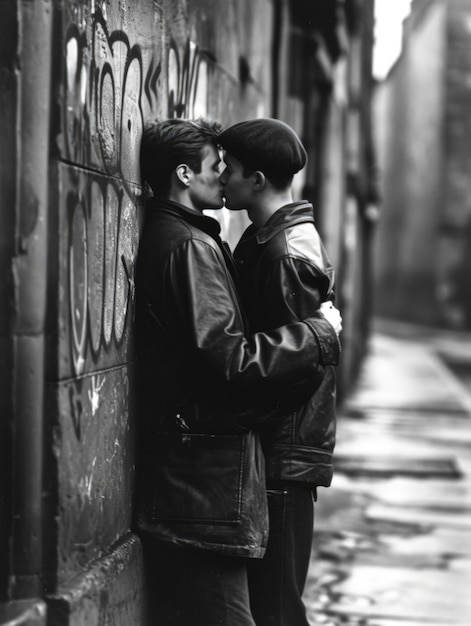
<point x="189" y="587"/>
<point x="276" y="582"/>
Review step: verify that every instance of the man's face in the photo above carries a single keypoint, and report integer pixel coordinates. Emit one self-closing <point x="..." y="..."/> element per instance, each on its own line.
<point x="205" y="189"/>
<point x="237" y="188"/>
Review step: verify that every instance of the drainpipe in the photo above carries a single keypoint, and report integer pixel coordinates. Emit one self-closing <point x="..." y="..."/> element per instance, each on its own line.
<point x="29" y="270"/>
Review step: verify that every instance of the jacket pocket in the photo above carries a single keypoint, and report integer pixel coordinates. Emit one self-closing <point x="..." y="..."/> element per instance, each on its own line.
<point x="199" y="478"/>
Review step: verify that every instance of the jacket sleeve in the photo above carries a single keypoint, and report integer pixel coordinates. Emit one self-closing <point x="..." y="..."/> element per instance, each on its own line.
<point x="207" y="311"/>
<point x="291" y="290"/>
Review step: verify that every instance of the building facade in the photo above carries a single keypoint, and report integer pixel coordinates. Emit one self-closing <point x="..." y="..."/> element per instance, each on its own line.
<point x="423" y="245"/>
<point x="78" y="81"/>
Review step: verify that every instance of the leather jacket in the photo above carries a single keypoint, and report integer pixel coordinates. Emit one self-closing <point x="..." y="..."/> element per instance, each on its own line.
<point x="201" y="376"/>
<point x="284" y="274"/>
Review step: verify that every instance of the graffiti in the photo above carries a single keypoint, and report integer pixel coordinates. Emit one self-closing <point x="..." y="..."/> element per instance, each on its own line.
<point x="107" y="88"/>
<point x="116" y="451"/>
<point x="94" y="393"/>
<point x="102" y="129"/>
<point x="116" y="91"/>
<point x="102" y="241"/>
<point x="76" y="409"/>
<point x="187" y="81"/>
<point x="103" y="112"/>
<point x="76" y="122"/>
<point x="85" y="484"/>
<point x="152" y="78"/>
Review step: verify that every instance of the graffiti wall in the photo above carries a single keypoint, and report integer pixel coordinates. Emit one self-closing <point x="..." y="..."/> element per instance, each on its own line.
<point x="117" y="65"/>
<point x="101" y="91"/>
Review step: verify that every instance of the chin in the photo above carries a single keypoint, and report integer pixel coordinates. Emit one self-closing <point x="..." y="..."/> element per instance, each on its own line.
<point x="232" y="206"/>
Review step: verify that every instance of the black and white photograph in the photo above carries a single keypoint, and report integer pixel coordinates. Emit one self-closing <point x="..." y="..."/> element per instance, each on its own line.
<point x="235" y="313"/>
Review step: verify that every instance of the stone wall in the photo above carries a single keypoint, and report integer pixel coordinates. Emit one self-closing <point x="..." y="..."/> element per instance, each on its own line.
<point x="410" y="109"/>
<point x="424" y="137"/>
<point x="455" y="232"/>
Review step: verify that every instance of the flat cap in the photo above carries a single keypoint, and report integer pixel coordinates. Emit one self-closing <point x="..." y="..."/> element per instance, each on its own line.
<point x="265" y="144"/>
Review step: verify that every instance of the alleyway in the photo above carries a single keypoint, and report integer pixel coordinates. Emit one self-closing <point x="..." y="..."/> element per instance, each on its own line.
<point x="393" y="533"/>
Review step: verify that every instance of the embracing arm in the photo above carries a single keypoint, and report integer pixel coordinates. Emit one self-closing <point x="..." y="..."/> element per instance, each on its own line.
<point x="208" y="312"/>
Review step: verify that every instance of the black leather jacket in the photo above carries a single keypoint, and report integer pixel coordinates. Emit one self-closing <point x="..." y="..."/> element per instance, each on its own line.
<point x="284" y="275"/>
<point x="199" y="372"/>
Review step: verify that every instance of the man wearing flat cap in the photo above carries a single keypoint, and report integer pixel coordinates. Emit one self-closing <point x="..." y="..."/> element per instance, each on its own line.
<point x="284" y="272"/>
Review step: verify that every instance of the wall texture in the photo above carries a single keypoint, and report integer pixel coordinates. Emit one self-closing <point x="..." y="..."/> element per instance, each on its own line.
<point x="412" y="166"/>
<point x="422" y="247"/>
<point x="455" y="235"/>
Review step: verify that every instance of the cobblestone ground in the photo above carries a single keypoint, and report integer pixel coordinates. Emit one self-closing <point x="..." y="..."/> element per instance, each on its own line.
<point x="393" y="532"/>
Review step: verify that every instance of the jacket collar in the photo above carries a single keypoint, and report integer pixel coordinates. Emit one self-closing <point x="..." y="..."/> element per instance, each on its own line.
<point x="287" y="215"/>
<point x="205" y="223"/>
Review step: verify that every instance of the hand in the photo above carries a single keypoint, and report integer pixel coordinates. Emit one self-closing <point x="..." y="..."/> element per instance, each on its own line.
<point x="332" y="315"/>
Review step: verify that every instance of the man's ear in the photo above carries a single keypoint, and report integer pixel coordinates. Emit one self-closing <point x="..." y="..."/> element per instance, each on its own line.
<point x="259" y="180"/>
<point x="183" y="173"/>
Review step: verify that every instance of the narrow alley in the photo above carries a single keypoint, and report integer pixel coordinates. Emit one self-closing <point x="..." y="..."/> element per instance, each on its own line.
<point x="379" y="94"/>
<point x="393" y="533"/>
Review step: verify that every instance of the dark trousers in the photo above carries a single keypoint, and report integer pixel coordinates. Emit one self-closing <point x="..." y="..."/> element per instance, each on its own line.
<point x="195" y="587"/>
<point x="276" y="582"/>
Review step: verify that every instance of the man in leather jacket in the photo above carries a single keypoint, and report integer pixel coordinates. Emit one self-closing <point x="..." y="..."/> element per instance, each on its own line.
<point x="204" y="385"/>
<point x="284" y="274"/>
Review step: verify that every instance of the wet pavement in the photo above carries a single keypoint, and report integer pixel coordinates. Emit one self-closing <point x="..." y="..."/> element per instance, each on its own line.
<point x="393" y="532"/>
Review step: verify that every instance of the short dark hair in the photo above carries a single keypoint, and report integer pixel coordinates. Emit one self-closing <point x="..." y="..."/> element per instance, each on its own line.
<point x="167" y="143"/>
